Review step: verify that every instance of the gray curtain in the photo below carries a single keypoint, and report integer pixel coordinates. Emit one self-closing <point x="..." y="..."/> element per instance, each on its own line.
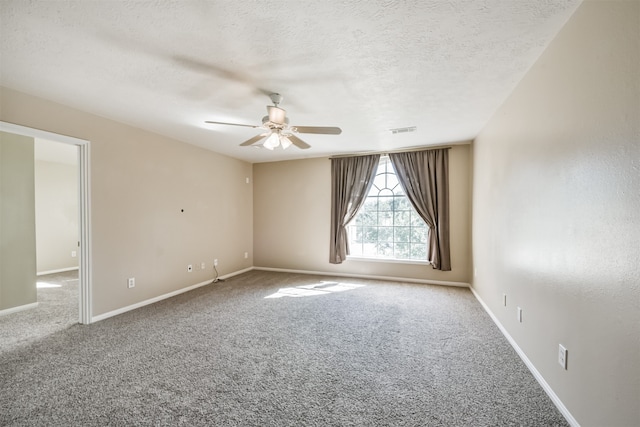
<point x="351" y="179"/>
<point x="424" y="175"/>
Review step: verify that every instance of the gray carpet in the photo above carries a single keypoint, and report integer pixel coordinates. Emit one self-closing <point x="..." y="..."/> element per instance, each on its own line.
<point x="316" y="354"/>
<point x="57" y="310"/>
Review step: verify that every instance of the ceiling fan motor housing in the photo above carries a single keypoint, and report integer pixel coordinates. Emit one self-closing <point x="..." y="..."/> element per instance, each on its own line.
<point x="277" y="115"/>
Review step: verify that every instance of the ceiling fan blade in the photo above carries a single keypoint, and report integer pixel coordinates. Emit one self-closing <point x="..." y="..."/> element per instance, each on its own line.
<point x="319" y="129"/>
<point x="254" y="139"/>
<point x="298" y="142"/>
<point x="213" y="69"/>
<point x="232" y="124"/>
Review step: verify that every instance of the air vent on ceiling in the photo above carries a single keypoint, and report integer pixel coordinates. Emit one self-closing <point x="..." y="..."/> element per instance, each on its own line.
<point x="403" y="130"/>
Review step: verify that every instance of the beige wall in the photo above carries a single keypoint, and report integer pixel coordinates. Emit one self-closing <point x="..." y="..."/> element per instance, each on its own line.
<point x="140" y="182"/>
<point x="56" y="215"/>
<point x="17" y="222"/>
<point x="292" y="202"/>
<point x="556" y="222"/>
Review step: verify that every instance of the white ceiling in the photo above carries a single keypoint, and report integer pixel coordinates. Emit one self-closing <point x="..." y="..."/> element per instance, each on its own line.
<point x="366" y="66"/>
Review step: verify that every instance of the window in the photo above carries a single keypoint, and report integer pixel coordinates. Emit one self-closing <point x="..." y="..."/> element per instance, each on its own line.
<point x="387" y="226"/>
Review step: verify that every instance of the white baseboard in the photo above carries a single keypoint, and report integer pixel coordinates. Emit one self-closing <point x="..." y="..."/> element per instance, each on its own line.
<point x="235" y="273"/>
<point x="18" y="308"/>
<point x="366" y="276"/>
<point x="162" y="297"/>
<point x="537" y="375"/>
<point x="60" y="270"/>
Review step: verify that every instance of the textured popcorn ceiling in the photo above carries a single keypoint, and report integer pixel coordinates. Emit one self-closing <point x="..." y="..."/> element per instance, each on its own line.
<point x="365" y="66"/>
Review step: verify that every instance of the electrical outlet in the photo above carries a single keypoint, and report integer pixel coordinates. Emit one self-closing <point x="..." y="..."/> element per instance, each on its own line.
<point x="504" y="299"/>
<point x="215" y="262"/>
<point x="131" y="283"/>
<point x="189" y="268"/>
<point x="73" y="254"/>
<point x="246" y="255"/>
<point x="519" y="315"/>
<point x="202" y="265"/>
<point x="562" y="356"/>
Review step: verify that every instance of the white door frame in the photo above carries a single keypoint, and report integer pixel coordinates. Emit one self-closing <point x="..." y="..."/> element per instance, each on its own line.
<point x="84" y="273"/>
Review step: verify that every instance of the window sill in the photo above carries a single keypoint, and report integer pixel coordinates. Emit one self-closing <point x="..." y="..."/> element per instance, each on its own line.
<point x="387" y="260"/>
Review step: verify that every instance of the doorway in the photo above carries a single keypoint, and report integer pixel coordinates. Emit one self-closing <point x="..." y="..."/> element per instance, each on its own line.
<point x="84" y="228"/>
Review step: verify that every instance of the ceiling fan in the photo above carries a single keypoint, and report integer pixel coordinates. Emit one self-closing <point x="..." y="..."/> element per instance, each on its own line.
<point x="277" y="129"/>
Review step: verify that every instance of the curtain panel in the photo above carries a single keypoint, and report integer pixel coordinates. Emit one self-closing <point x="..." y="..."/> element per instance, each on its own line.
<point x="424" y="175"/>
<point x="351" y="180"/>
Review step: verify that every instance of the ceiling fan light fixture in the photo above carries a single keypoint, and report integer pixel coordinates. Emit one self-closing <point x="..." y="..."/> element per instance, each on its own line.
<point x="285" y="142"/>
<point x="272" y="142"/>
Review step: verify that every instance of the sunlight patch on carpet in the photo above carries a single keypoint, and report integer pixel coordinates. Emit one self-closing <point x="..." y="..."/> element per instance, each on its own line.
<point x="41" y="285"/>
<point x="322" y="288"/>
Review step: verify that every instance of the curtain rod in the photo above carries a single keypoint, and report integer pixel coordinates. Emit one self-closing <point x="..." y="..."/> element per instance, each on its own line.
<point x="382" y="153"/>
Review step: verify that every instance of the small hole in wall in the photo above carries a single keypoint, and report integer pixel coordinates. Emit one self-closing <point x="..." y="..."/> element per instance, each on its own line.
<point x="181" y="210"/>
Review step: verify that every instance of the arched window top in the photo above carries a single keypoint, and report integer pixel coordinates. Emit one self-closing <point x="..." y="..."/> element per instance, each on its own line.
<point x="385" y="179"/>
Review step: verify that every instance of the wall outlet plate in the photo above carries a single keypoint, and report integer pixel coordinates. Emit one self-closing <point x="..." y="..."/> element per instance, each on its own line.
<point x="131" y="282"/>
<point x="215" y="262"/>
<point x="562" y="356"/>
